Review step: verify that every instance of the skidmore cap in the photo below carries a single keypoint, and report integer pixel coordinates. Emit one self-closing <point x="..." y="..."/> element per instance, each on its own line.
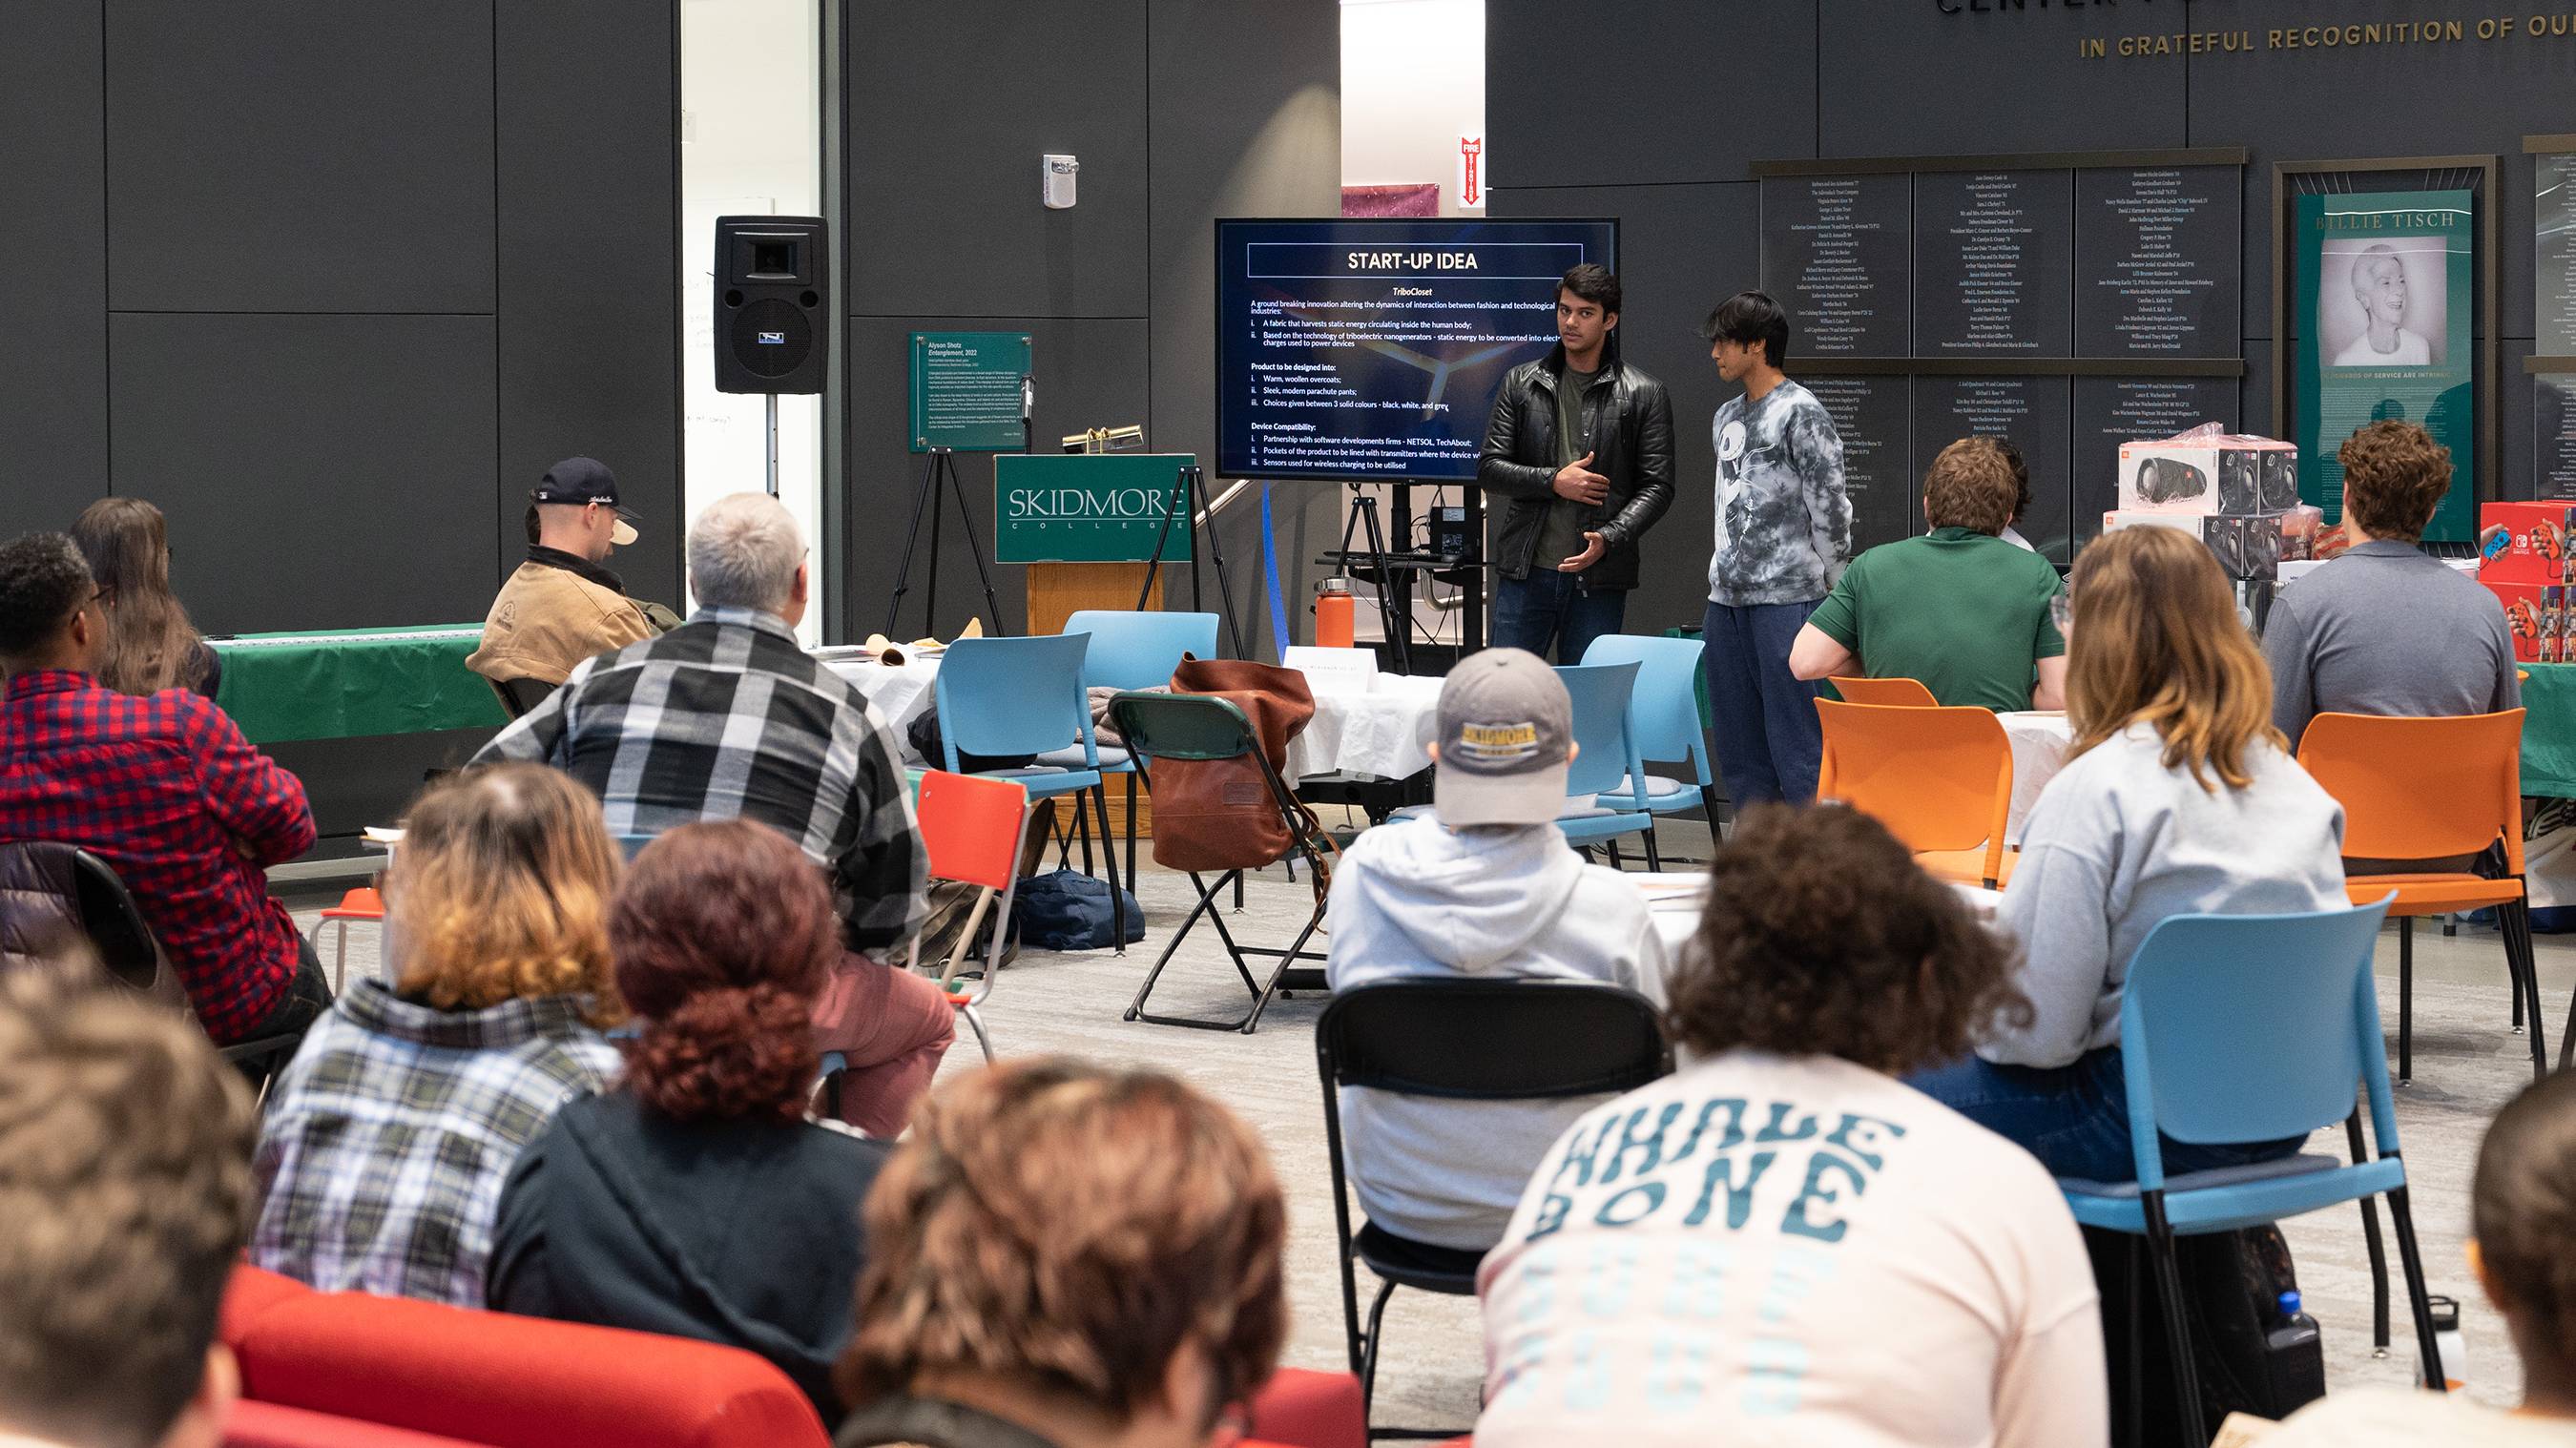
<point x="585" y="480"/>
<point x="1506" y="734"/>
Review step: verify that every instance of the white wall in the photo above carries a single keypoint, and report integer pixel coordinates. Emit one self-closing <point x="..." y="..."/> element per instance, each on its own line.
<point x="751" y="144"/>
<point x="1413" y="82"/>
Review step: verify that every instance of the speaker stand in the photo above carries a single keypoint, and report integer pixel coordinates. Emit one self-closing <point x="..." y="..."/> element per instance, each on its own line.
<point x="1184" y="500"/>
<point x="772" y="399"/>
<point x="940" y="467"/>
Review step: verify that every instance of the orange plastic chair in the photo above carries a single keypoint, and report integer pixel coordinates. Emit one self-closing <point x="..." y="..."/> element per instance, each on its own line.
<point x="1940" y="779"/>
<point x="2426" y="789"/>
<point x="1908" y="692"/>
<point x="362" y="903"/>
<point x="972" y="828"/>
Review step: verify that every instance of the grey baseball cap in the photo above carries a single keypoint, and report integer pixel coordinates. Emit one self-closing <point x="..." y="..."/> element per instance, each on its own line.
<point x="1506" y="734"/>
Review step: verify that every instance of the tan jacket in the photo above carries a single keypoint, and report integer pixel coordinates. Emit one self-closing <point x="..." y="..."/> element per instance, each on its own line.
<point x="548" y="619"/>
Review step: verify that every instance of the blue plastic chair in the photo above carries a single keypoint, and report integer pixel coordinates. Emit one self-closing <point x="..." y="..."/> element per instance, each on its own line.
<point x="629" y="846"/>
<point x="1025" y="696"/>
<point x="1131" y="650"/>
<point x="1605" y="761"/>
<point x="1664" y="715"/>
<point x="2253" y="1028"/>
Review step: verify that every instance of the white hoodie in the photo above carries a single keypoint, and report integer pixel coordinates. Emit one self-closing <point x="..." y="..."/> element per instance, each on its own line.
<point x="1417" y="898"/>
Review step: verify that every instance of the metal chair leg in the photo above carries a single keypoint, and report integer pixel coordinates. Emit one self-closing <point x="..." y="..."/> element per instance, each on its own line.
<point x="1611" y="844"/>
<point x="1654" y="860"/>
<point x="2370" y="1239"/>
<point x="1109" y="862"/>
<point x="1368" y="1348"/>
<point x="975" y="1023"/>
<point x="2402" y="1217"/>
<point x="2405" y="1002"/>
<point x="2160" y="1247"/>
<point x="2523" y="959"/>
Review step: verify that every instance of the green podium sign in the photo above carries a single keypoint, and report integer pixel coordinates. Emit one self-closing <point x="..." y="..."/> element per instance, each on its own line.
<point x="966" y="390"/>
<point x="1086" y="507"/>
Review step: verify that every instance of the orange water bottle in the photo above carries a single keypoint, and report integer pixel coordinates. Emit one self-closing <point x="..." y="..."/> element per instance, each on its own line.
<point x="1336" y="613"/>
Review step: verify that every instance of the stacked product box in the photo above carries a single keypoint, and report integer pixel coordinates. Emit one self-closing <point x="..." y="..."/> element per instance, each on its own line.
<point x="2238" y="494"/>
<point x="2522" y="559"/>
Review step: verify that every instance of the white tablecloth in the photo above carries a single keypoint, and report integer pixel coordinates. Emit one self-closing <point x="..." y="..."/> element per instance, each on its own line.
<point x="1676" y="898"/>
<point x="900" y="692"/>
<point x="2039" y="744"/>
<point x="1377" y="734"/>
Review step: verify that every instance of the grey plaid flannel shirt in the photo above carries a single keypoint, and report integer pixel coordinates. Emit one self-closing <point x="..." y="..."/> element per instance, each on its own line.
<point x="728" y="717"/>
<point x="387" y="1140"/>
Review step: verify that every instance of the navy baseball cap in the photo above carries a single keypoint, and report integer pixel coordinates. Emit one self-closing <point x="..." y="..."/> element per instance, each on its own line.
<point x="585" y="480"/>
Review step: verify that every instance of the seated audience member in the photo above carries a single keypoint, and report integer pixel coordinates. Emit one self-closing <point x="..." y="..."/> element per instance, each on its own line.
<point x="149" y="645"/>
<point x="2177" y="798"/>
<point x="125" y="1187"/>
<point x="388" y="1137"/>
<point x="1782" y="1242"/>
<point x="696" y="1200"/>
<point x="1061" y="1254"/>
<point x="1485" y="889"/>
<point x="563" y="605"/>
<point x="1959" y="609"/>
<point x="727" y="716"/>
<point x="164" y="789"/>
<point x="2522" y="1217"/>
<point x="2384" y="629"/>
<point x="2021" y="495"/>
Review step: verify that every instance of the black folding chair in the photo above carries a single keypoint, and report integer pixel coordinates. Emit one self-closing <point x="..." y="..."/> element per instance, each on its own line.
<point x="1464" y="1040"/>
<point x="1205" y="727"/>
<point x="518" y="696"/>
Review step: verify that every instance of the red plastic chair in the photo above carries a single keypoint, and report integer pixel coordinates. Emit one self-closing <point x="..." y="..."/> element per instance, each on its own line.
<point x="362" y="903"/>
<point x="972" y="827"/>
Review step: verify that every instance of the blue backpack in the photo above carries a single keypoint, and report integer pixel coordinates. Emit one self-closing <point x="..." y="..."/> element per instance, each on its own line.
<point x="1069" y="910"/>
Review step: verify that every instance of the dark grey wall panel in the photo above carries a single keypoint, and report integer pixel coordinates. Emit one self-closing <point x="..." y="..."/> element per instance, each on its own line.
<point x="53" y="298"/>
<point x="1682" y="249"/>
<point x="1905" y="79"/>
<point x="318" y="472"/>
<point x="300" y="155"/>
<point x="1234" y="140"/>
<point x="2469" y="98"/>
<point x="1090" y="373"/>
<point x="1648" y="90"/>
<point x="949" y="107"/>
<point x="589" y="321"/>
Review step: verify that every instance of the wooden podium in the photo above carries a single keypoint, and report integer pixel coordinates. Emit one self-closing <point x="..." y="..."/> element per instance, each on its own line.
<point x="1085" y="525"/>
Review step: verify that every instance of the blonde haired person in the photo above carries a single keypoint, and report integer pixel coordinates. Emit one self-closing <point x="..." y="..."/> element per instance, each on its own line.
<point x="150" y="645"/>
<point x="2178" y="798"/>
<point x="389" y="1136"/>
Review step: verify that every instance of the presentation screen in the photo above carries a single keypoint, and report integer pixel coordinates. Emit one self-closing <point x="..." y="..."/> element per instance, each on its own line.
<point x="1356" y="350"/>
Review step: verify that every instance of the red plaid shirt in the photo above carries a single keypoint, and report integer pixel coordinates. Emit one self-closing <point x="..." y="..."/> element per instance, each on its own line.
<point x="164" y="788"/>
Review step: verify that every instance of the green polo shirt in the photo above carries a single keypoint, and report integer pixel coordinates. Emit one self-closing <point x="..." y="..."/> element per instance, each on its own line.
<point x="1963" y="611"/>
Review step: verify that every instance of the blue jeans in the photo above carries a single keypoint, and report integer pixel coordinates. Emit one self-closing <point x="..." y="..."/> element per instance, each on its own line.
<point x="1766" y="738"/>
<point x="2075" y="1119"/>
<point x="1551" y="607"/>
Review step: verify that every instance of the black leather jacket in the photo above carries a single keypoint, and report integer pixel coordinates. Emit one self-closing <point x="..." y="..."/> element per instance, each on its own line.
<point x="1630" y="419"/>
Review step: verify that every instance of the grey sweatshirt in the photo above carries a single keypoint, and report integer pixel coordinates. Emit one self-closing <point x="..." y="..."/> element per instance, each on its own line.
<point x="1416" y="898"/>
<point x="2116" y="843"/>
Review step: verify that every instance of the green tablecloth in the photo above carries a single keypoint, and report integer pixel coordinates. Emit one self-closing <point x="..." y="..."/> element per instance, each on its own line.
<point x="2549" y="731"/>
<point x="356" y="682"/>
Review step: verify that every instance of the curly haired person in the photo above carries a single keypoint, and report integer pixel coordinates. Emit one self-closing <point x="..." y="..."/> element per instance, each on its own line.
<point x="697" y="1200"/>
<point x="1782" y="1242"/>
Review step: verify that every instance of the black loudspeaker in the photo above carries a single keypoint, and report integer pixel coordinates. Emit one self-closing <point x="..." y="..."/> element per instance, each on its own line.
<point x="773" y="296"/>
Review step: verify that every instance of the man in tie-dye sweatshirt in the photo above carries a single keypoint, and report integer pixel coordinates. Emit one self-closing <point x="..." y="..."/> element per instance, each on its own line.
<point x="1783" y="535"/>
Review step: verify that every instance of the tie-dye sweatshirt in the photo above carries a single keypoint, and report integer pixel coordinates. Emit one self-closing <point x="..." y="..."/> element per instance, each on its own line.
<point x="1783" y="523"/>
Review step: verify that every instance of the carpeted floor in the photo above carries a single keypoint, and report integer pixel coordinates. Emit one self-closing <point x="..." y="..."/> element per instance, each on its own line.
<point x="2467" y="1064"/>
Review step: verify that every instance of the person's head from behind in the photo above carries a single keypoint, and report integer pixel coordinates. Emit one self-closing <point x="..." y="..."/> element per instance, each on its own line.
<point x="125" y="1184"/>
<point x="49" y="610"/>
<point x="745" y="551"/>
<point x="2021" y="479"/>
<point x="1745" y="332"/>
<point x="2154" y="638"/>
<point x="574" y="509"/>
<point x="2394" y="476"/>
<point x="126" y="543"/>
<point x="722" y="932"/>
<point x="1971" y="485"/>
<point x="1076" y="1248"/>
<point x="500" y="891"/>
<point x="2379" y="284"/>
<point x="2522" y="1216"/>
<point x="1587" y="306"/>
<point x="1823" y="937"/>
<point x="1503" y="742"/>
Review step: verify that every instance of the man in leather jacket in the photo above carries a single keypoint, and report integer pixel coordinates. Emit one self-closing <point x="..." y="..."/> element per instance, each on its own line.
<point x="1582" y="446"/>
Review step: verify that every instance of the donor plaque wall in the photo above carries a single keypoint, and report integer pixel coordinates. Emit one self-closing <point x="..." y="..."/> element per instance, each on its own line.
<point x="2067" y="302"/>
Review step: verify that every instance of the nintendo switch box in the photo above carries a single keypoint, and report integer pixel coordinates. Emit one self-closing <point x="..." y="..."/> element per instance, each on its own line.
<point x="2524" y="542"/>
<point x="2537" y="615"/>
